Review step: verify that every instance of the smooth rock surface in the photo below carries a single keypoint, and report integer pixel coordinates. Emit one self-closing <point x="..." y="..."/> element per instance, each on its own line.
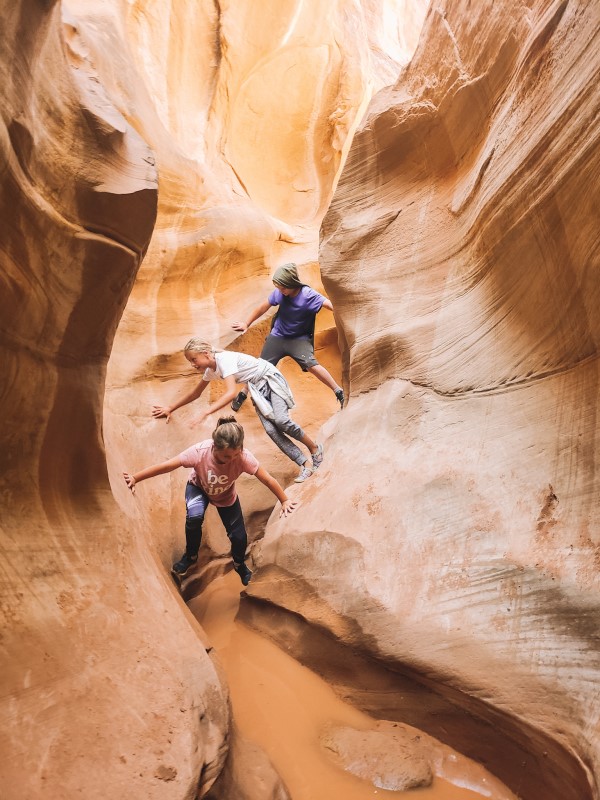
<point x="247" y="774"/>
<point x="461" y="253"/>
<point x="131" y="130"/>
<point x="388" y="758"/>
<point x="106" y="686"/>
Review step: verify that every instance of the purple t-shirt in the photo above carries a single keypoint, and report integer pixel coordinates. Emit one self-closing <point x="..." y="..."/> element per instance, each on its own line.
<point x="295" y="319"/>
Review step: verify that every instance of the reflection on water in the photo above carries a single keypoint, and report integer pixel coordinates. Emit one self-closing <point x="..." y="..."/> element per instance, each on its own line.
<point x="284" y="707"/>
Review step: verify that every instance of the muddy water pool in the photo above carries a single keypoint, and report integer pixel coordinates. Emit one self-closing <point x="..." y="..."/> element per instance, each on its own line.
<point x="284" y="708"/>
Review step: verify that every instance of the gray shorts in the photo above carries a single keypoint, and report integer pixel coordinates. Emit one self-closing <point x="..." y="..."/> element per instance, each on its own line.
<point x="301" y="350"/>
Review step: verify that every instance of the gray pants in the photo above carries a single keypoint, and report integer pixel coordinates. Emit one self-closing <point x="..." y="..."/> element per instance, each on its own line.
<point x="301" y="350"/>
<point x="281" y="426"/>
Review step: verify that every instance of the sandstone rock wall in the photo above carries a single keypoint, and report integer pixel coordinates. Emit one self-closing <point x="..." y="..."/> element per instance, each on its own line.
<point x="248" y="139"/>
<point x="461" y="253"/>
<point x="129" y="130"/>
<point x="107" y="690"/>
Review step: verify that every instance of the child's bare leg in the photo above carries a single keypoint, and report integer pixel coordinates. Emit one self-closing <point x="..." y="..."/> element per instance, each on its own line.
<point x="325" y="377"/>
<point x="312" y="446"/>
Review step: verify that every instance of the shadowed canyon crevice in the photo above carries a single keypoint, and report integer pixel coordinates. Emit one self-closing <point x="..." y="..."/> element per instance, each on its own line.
<point x="157" y="161"/>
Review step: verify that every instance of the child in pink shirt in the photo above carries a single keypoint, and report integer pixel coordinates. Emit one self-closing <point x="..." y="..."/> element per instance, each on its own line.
<point x="216" y="463"/>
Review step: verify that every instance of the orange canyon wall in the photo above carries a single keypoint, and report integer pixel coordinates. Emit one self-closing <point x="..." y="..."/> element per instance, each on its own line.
<point x="206" y="138"/>
<point x="461" y="252"/>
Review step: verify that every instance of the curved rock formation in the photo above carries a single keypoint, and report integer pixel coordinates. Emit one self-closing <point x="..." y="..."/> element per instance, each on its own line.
<point x="107" y="689"/>
<point x="132" y="130"/>
<point x="461" y="254"/>
<point x="229" y="212"/>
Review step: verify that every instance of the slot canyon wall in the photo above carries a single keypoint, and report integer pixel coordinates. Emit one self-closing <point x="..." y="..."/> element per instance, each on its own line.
<point x="461" y="251"/>
<point x="204" y="139"/>
<point x="105" y="692"/>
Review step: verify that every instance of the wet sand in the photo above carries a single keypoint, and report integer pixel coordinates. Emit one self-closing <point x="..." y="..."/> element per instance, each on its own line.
<point x="284" y="707"/>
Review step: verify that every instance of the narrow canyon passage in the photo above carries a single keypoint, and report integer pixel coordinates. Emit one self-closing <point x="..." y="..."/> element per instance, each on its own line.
<point x="284" y="708"/>
<point x="434" y="169"/>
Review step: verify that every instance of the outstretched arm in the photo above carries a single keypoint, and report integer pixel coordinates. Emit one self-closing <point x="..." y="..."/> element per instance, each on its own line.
<point x="287" y="505"/>
<point x="327" y="304"/>
<point x="258" y="312"/>
<point x="166" y="411"/>
<point x="226" y="398"/>
<point x="150" y="472"/>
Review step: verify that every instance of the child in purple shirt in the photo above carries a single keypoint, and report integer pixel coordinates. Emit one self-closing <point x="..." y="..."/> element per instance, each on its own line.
<point x="293" y="328"/>
<point x="297" y="310"/>
<point x="215" y="466"/>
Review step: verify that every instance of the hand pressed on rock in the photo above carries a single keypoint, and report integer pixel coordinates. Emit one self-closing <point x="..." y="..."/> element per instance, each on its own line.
<point x="161" y="411"/>
<point x="288" y="507"/>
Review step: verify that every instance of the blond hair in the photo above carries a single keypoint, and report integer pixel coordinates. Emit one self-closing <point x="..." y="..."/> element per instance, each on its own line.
<point x="228" y="433"/>
<point x="198" y="345"/>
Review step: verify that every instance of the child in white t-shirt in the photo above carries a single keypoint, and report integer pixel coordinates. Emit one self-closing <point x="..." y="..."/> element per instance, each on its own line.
<point x="216" y="463"/>
<point x="270" y="394"/>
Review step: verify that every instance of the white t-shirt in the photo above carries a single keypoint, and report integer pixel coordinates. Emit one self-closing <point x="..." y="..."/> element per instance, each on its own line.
<point x="242" y="366"/>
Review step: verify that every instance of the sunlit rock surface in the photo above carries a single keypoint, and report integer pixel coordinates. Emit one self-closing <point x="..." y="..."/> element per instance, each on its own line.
<point x="461" y="254"/>
<point x="107" y="690"/>
<point x="243" y="190"/>
<point x="249" y="139"/>
<point x="186" y="132"/>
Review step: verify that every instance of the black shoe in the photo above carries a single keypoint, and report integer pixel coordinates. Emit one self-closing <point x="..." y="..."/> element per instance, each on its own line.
<point x="340" y="397"/>
<point x="244" y="573"/>
<point x="184" y="565"/>
<point x="236" y="403"/>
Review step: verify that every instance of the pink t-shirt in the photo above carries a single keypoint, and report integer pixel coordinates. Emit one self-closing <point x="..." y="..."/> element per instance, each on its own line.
<point x="217" y="480"/>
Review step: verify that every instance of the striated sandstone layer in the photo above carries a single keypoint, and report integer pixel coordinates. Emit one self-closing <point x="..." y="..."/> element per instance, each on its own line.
<point x="247" y="169"/>
<point x="461" y="253"/>
<point x="187" y="133"/>
<point x="249" y="138"/>
<point x="106" y="687"/>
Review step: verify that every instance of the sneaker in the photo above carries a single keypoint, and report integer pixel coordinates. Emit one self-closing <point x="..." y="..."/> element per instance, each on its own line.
<point x="317" y="458"/>
<point x="184" y="565"/>
<point x="236" y="403"/>
<point x="305" y="473"/>
<point x="340" y="397"/>
<point x="244" y="573"/>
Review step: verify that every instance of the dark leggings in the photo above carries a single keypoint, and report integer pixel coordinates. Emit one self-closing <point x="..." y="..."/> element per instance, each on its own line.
<point x="196" y="503"/>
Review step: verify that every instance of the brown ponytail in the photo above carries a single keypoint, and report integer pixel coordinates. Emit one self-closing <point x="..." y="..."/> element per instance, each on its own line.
<point x="228" y="433"/>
